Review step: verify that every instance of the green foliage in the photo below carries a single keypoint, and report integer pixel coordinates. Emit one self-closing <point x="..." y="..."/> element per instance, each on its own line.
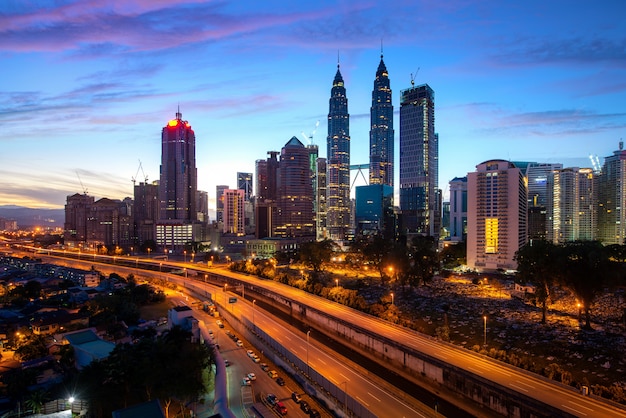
<point x="315" y="253"/>
<point x="34" y="348"/>
<point x="169" y="367"/>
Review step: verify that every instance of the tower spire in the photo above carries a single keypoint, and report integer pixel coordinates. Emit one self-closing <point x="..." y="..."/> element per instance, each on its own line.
<point x="179" y="115"/>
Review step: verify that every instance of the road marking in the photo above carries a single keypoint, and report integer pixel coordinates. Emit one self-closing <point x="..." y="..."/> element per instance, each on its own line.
<point x="286" y="336"/>
<point x="573" y="409"/>
<point x="581" y="406"/>
<point x="525" y="384"/>
<point x="373" y="396"/>
<point x="345" y="377"/>
<point x="518" y="387"/>
<point x="322" y="361"/>
<point x="363" y="402"/>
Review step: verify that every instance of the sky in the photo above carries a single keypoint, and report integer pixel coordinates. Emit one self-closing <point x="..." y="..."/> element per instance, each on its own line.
<point x="86" y="86"/>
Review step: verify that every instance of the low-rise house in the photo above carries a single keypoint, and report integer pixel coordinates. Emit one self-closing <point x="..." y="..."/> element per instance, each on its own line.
<point x="87" y="346"/>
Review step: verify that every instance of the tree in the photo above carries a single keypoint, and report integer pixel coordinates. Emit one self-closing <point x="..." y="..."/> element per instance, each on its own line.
<point x="375" y="249"/>
<point x="535" y="265"/>
<point x="315" y="253"/>
<point x="423" y="260"/>
<point x="584" y="266"/>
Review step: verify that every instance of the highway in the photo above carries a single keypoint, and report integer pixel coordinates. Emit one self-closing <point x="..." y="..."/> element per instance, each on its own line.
<point x="565" y="398"/>
<point x="549" y="392"/>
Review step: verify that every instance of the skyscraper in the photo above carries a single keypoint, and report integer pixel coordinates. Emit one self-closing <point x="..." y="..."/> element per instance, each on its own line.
<point x="570" y="205"/>
<point x="338" y="162"/>
<point x="611" y="185"/>
<point x="234" y="212"/>
<point x="244" y="182"/>
<point x="458" y="209"/>
<point x="178" y="185"/>
<point x="381" y="129"/>
<point x="177" y="225"/>
<point x="419" y="162"/>
<point x="295" y="217"/>
<point x="219" y="202"/>
<point x="496" y="215"/>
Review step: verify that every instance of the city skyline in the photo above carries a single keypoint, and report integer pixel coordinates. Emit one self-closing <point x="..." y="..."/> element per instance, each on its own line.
<point x="87" y="88"/>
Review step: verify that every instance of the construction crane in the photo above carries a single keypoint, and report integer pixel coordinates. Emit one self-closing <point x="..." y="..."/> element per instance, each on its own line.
<point x="145" y="178"/>
<point x="413" y="76"/>
<point x="309" y="138"/>
<point x="81" y="183"/>
<point x="595" y="163"/>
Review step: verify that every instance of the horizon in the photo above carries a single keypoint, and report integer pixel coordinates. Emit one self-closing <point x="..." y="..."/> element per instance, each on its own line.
<point x="92" y="85"/>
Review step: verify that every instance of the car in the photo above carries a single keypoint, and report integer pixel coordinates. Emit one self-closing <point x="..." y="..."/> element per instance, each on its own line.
<point x="228" y="332"/>
<point x="239" y="343"/>
<point x="226" y="363"/>
<point x="219" y="323"/>
<point x="271" y="398"/>
<point x="314" y="413"/>
<point x="256" y="358"/>
<point x="281" y="408"/>
<point x="251" y="376"/>
<point x="280" y="381"/>
<point x="296" y="398"/>
<point x="273" y="374"/>
<point x="264" y="367"/>
<point x="250" y="353"/>
<point x="304" y="405"/>
<point x="246" y="381"/>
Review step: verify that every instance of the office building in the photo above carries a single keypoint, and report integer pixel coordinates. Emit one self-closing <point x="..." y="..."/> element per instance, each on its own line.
<point x="219" y="202"/>
<point x="338" y="163"/>
<point x="295" y="217"/>
<point x="321" y="232"/>
<point x="420" y="204"/>
<point x="244" y="182"/>
<point x="145" y="212"/>
<point x="458" y="209"/>
<point x="178" y="219"/>
<point x="496" y="215"/>
<point x="374" y="210"/>
<point x="381" y="129"/>
<point x="611" y="186"/>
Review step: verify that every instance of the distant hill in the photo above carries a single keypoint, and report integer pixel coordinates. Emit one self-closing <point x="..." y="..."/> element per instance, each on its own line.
<point x="29" y="217"/>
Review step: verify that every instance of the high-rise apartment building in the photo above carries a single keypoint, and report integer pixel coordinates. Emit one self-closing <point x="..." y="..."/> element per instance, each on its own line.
<point x="381" y="129"/>
<point x="177" y="225"/>
<point x="571" y="212"/>
<point x="611" y="186"/>
<point x="338" y="162"/>
<point x="77" y="208"/>
<point x="496" y="215"/>
<point x="234" y="216"/>
<point x="295" y="217"/>
<point x="420" y="204"/>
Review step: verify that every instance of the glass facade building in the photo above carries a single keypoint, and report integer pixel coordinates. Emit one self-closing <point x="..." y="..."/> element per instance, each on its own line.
<point x="338" y="162"/>
<point x="419" y="162"/>
<point x="381" y="129"/>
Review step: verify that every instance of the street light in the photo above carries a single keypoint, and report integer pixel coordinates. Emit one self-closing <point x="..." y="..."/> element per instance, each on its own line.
<point x="253" y="302"/>
<point x="392" y="298"/>
<point x="485" y="330"/>
<point x="185" y="252"/>
<point x="579" y="310"/>
<point x="336" y="283"/>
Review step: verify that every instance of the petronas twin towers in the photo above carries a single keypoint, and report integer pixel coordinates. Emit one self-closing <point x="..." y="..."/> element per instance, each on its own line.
<point x="419" y="154"/>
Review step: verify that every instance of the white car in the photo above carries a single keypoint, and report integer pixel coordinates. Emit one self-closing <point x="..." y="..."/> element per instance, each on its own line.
<point x="250" y="353"/>
<point x="246" y="381"/>
<point x="251" y="376"/>
<point x="256" y="358"/>
<point x="239" y="343"/>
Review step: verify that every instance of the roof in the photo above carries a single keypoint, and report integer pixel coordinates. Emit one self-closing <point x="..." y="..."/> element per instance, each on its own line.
<point x="81" y="337"/>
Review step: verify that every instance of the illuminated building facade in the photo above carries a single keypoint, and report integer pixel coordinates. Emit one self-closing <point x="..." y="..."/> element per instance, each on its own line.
<point x="496" y="215"/>
<point x="321" y="206"/>
<point x="381" y="129"/>
<point x="295" y="217"/>
<point x="338" y="163"/>
<point x="244" y="182"/>
<point x="234" y="215"/>
<point x="219" y="202"/>
<point x="571" y="212"/>
<point x="611" y="186"/>
<point x="145" y="211"/>
<point x="458" y="209"/>
<point x="178" y="186"/>
<point x="420" y="202"/>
